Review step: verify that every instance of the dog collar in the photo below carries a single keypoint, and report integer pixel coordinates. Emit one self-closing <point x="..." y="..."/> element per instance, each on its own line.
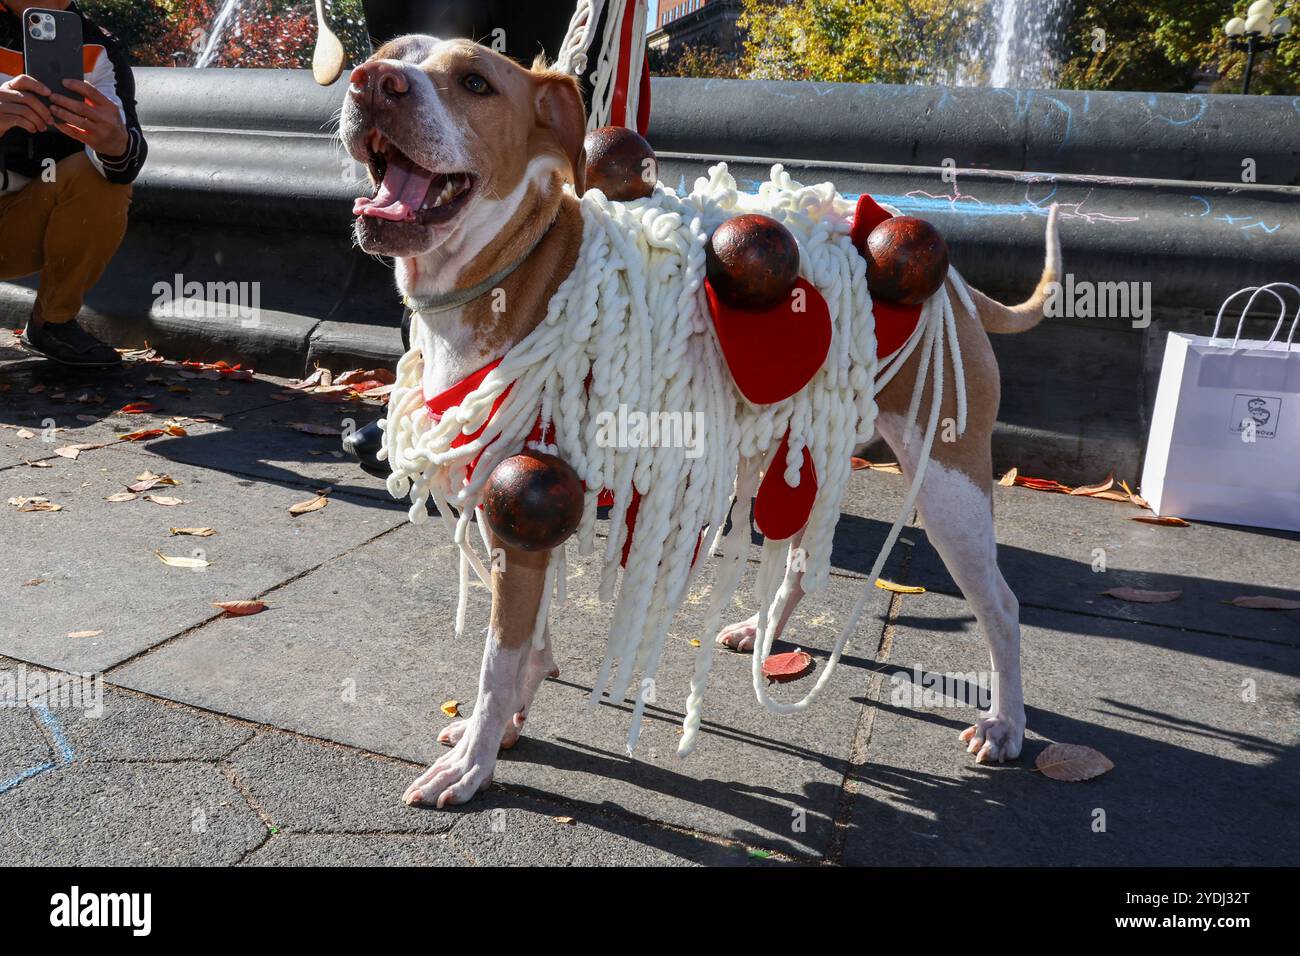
<point x="434" y="304"/>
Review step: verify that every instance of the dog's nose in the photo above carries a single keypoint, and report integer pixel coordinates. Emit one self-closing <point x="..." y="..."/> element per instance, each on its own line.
<point x="379" y="79"/>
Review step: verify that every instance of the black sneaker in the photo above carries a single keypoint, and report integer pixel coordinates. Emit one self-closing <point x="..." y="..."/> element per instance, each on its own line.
<point x="69" y="344"/>
<point x="363" y="445"/>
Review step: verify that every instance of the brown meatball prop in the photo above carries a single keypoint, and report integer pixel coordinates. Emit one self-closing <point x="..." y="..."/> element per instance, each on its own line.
<point x="752" y="262"/>
<point x="620" y="163"/>
<point x="533" y="501"/>
<point x="907" y="260"/>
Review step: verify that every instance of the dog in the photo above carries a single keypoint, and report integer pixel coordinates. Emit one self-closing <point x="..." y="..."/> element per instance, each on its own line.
<point x="470" y="154"/>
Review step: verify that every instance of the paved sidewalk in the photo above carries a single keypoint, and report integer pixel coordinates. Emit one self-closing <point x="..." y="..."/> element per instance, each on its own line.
<point x="288" y="736"/>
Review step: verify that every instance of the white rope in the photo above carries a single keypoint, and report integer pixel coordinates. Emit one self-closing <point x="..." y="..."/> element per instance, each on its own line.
<point x="629" y="329"/>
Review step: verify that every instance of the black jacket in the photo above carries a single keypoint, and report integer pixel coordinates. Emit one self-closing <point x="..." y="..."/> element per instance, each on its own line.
<point x="107" y="69"/>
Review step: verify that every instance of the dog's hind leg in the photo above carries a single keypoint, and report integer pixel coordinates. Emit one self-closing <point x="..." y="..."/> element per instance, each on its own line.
<point x="956" y="507"/>
<point x="517" y="586"/>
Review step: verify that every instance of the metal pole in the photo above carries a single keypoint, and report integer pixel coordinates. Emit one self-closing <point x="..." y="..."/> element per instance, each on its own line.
<point x="1250" y="63"/>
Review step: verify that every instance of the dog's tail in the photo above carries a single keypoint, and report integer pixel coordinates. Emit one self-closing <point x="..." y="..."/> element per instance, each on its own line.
<point x="1009" y="319"/>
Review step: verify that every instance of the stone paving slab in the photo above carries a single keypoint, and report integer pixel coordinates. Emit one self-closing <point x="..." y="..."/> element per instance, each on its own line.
<point x="113" y="814"/>
<point x="1200" y="778"/>
<point x="1046" y="551"/>
<point x="751" y="780"/>
<point x="96" y="565"/>
<point x="264" y="444"/>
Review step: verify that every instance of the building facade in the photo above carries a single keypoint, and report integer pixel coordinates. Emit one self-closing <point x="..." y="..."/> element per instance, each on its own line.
<point x="696" y="23"/>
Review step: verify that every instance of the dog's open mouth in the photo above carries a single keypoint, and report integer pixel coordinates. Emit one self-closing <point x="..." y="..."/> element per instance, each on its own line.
<point x="407" y="191"/>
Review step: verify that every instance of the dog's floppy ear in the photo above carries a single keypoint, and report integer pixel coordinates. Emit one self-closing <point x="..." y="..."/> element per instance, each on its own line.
<point x="560" y="110"/>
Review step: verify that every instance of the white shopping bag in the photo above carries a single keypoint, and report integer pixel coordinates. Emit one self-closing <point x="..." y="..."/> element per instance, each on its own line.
<point x="1225" y="435"/>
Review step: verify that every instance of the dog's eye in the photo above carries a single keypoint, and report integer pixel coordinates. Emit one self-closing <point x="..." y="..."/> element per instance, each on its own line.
<point x="476" y="84"/>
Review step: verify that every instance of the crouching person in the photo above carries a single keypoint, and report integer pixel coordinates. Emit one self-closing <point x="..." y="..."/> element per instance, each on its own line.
<point x="67" y="161"/>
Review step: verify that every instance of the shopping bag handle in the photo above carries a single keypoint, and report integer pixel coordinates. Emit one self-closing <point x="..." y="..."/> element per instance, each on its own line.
<point x="1241" y="321"/>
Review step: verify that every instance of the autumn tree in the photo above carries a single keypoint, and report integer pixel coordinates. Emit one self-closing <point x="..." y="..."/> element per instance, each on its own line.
<point x="855" y="41"/>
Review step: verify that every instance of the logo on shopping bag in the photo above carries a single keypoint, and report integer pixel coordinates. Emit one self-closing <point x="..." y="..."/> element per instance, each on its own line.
<point x="1256" y="413"/>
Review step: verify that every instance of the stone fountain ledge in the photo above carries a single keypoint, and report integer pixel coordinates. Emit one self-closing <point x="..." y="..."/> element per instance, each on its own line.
<point x="246" y="183"/>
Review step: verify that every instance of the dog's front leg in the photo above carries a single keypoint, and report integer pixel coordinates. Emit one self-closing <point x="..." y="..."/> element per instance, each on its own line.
<point x="517" y="585"/>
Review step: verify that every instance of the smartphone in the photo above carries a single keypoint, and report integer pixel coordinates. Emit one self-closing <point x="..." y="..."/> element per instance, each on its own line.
<point x="52" y="48"/>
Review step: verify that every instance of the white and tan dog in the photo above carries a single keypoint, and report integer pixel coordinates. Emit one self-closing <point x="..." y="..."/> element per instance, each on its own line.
<point x="470" y="153"/>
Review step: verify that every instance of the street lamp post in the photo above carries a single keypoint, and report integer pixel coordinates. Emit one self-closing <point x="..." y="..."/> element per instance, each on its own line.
<point x="1255" y="33"/>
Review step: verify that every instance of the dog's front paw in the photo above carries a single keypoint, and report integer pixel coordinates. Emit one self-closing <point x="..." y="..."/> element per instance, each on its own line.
<point x="740" y="636"/>
<point x="454" y="778"/>
<point x="995" y="738"/>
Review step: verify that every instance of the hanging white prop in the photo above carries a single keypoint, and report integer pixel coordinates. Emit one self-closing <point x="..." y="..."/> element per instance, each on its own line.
<point x="630" y="328"/>
<point x="616" y="76"/>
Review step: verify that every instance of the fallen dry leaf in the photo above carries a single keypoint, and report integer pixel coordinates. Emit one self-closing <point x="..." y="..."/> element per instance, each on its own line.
<point x="34" y="504"/>
<point x="451" y="708"/>
<point x="898" y="588"/>
<point x="74" y="451"/>
<point x="194" y="532"/>
<point x="381" y="375"/>
<point x="1109" y="496"/>
<point x="308" y="428"/>
<point x="889" y="467"/>
<point x="85" y="633"/>
<point x="1009" y="479"/>
<point x="148" y="480"/>
<point x="240" y="608"/>
<point x="38" y="464"/>
<point x="780" y="668"/>
<point x="1138" y="596"/>
<point x="1096" y="489"/>
<point x="567" y="821"/>
<point x="24" y="433"/>
<point x="122" y="496"/>
<point x="1043" y="484"/>
<point x="174" y="562"/>
<point x="143" y="435"/>
<point x="322" y="376"/>
<point x="859" y="464"/>
<point x="315" y="504"/>
<point x="1264" y="602"/>
<point x="1072" y="763"/>
<point x="164" y="500"/>
<point x="1168" y="521"/>
<point x="138" y="408"/>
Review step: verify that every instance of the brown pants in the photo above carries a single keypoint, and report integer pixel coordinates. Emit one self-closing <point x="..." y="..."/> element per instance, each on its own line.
<point x="66" y="230"/>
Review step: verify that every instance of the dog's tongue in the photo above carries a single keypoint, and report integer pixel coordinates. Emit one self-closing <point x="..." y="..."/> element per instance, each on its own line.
<point x="400" y="194"/>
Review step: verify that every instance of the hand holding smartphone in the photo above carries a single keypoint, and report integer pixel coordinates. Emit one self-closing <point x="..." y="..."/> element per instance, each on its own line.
<point x="52" y="45"/>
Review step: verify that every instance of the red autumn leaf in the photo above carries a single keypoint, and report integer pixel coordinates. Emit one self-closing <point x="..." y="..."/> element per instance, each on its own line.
<point x="1042" y="484"/>
<point x="236" y="374"/>
<point x="240" y="608"/>
<point x="382" y="376"/>
<point x="142" y="435"/>
<point x="780" y="668"/>
<point x="859" y="464"/>
<point x="138" y="408"/>
<point x="1264" y="602"/>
